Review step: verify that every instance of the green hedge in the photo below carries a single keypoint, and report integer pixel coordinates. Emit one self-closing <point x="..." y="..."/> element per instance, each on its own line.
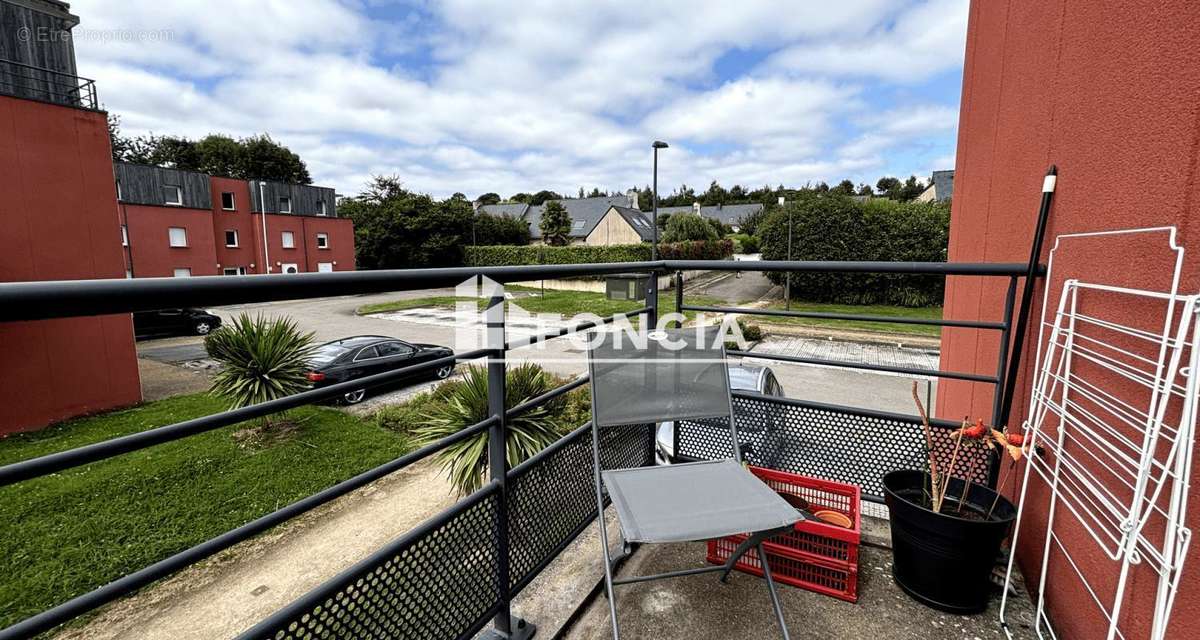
<point x="503" y="256"/>
<point x="838" y="228"/>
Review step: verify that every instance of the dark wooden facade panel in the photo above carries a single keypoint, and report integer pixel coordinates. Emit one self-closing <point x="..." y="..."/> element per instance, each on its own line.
<point x="142" y="184"/>
<point x="305" y="199"/>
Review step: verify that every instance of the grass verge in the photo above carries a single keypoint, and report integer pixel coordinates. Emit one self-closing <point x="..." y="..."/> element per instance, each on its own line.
<point x="565" y="303"/>
<point x="923" y="313"/>
<point x="66" y="534"/>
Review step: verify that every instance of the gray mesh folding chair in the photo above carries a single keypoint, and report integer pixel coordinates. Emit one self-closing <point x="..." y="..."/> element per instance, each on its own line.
<point x="676" y="375"/>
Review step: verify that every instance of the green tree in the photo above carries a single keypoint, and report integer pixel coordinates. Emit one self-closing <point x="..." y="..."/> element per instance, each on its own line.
<point x="555" y="224"/>
<point x="911" y="189"/>
<point x="683" y="227"/>
<point x="865" y="189"/>
<point x="261" y="359"/>
<point x="490" y="230"/>
<point x="845" y="188"/>
<point x="268" y="160"/>
<point x="488" y="198"/>
<point x="397" y="229"/>
<point x="889" y="187"/>
<point x="521" y="197"/>
<point x="542" y="196"/>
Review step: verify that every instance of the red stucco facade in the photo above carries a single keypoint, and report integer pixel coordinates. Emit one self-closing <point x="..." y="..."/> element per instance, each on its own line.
<point x="60" y="222"/>
<point x="1110" y="93"/>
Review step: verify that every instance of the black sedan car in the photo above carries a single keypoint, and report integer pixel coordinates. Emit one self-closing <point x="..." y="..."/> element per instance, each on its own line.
<point x="361" y="356"/>
<point x="174" y="322"/>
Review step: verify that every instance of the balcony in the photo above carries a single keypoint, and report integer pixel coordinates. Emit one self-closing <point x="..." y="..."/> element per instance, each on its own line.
<point x="46" y="85"/>
<point x="468" y="570"/>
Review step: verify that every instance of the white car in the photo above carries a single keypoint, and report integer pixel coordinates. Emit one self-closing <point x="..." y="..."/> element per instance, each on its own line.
<point x="755" y="378"/>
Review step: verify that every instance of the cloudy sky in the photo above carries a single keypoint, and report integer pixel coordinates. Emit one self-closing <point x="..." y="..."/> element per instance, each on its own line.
<point x="506" y="96"/>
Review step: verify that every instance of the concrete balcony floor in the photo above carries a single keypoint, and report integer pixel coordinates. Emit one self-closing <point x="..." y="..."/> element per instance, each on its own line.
<point x="701" y="607"/>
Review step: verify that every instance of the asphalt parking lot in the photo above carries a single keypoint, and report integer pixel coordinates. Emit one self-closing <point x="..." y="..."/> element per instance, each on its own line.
<point x="334" y="318"/>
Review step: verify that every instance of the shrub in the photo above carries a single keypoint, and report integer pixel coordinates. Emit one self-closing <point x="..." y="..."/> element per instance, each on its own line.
<point x="262" y="359"/>
<point x="683" y="227"/>
<point x="586" y="254"/>
<point x="466" y="404"/>
<point x="751" y="332"/>
<point x="697" y="250"/>
<point x="744" y="243"/>
<point x="837" y="228"/>
<point x="492" y="230"/>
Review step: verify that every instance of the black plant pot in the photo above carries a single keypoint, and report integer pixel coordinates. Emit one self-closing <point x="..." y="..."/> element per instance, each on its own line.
<point x="945" y="560"/>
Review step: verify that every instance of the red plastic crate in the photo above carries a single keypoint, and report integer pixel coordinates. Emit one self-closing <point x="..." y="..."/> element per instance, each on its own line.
<point x="817" y="556"/>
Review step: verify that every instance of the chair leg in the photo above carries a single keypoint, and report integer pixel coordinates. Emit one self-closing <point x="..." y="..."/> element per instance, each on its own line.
<point x="762" y="556"/>
<point x="746" y="545"/>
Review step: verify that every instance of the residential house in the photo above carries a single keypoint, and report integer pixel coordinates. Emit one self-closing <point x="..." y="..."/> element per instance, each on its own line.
<point x="728" y="214"/>
<point x="940" y="188"/>
<point x="606" y="220"/>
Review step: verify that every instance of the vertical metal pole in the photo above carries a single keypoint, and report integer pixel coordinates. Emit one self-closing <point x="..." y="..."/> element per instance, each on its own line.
<point x="1035" y="254"/>
<point x="503" y="625"/>
<point x="654" y="207"/>
<point x="998" y="389"/>
<point x="652" y="285"/>
<point x="679" y="296"/>
<point x="787" y="282"/>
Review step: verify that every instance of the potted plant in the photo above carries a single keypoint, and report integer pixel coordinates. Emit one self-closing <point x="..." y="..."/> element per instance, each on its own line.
<point x="947" y="531"/>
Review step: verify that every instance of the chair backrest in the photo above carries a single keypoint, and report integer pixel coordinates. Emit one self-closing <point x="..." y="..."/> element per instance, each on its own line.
<point x="660" y="376"/>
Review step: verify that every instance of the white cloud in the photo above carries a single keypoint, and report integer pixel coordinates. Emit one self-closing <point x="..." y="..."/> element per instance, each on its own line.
<point x="474" y="96"/>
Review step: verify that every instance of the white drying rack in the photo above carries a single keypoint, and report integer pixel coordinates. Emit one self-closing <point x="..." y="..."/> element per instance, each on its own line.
<point x="1113" y="413"/>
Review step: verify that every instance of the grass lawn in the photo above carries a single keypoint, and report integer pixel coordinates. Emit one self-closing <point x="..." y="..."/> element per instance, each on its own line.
<point x="925" y="313"/>
<point x="566" y="303"/>
<point x="66" y="534"/>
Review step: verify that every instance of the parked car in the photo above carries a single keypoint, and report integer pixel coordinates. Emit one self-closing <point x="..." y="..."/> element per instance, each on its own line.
<point x="756" y="378"/>
<point x="174" y="322"/>
<point x="362" y="356"/>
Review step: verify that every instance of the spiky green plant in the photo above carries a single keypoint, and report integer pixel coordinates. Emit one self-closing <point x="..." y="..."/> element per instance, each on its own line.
<point x="261" y="359"/>
<point x="466" y="461"/>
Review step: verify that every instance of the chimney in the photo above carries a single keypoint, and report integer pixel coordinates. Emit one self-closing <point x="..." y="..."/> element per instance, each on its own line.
<point x="632" y="194"/>
<point x="696" y="208"/>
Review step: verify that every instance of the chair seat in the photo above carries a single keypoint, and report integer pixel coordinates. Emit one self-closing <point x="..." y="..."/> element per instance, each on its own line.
<point x="694" y="501"/>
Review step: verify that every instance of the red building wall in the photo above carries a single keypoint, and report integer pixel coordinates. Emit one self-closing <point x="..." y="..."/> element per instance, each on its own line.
<point x="60" y="222"/>
<point x="340" y="250"/>
<point x="297" y="254"/>
<point x="150" y="251"/>
<point x="249" y="251"/>
<point x="1110" y="93"/>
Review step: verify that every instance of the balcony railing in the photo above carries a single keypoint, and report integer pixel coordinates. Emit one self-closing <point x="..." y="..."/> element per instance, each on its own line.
<point x="37" y="83"/>
<point x="456" y="572"/>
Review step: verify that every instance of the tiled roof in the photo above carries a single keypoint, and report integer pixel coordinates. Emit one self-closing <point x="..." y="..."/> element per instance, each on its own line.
<point x="512" y="210"/>
<point x="585" y="214"/>
<point x="728" y="214"/>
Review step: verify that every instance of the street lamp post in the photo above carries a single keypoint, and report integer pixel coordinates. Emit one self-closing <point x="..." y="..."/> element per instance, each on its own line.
<point x="658" y="144"/>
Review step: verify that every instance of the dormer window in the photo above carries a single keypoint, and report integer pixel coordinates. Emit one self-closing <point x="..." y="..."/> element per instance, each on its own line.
<point x="172" y="195"/>
<point x="285" y="205"/>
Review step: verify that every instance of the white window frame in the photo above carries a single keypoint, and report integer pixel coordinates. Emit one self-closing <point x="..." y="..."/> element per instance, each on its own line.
<point x="322" y="264"/>
<point x="124" y="236"/>
<point x="178" y="201"/>
<point x="285" y="200"/>
<point x="320" y="237"/>
<point x="182" y="272"/>
<point x="232" y="200"/>
<point x="322" y="210"/>
<point x="287" y="240"/>
<point x="235" y="239"/>
<point x="171" y="237"/>
<point x="236" y="271"/>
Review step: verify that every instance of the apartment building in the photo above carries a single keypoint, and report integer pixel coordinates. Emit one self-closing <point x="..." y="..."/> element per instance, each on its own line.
<point x="183" y="223"/>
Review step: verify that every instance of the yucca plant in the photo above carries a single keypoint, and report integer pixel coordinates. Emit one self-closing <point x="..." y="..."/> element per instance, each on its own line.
<point x="466" y="461"/>
<point x="261" y="359"/>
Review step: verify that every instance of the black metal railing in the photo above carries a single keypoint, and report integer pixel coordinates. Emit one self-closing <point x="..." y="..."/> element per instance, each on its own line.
<point x="47" y="85"/>
<point x="460" y="569"/>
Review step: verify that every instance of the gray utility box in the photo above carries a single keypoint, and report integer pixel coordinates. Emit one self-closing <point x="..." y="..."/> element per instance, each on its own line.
<point x="627" y="286"/>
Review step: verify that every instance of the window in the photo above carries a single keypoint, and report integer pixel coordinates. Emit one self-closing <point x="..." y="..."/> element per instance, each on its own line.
<point x="124" y="236"/>
<point x="321" y="210"/>
<point x="178" y="236"/>
<point x="322" y="240"/>
<point x="231" y="239"/>
<point x="389" y="349"/>
<point x="366" y="354"/>
<point x="172" y="195"/>
<point x="227" y="201"/>
<point x="324" y="267"/>
<point x="285" y="205"/>
<point x="288" y="240"/>
<point x="234" y="271"/>
<point x="183" y="272"/>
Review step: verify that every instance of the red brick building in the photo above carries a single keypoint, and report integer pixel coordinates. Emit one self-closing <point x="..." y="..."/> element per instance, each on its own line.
<point x="184" y="223"/>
